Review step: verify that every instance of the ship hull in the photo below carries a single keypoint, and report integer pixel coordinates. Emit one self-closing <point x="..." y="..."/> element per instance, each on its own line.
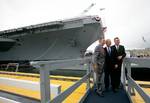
<point x="68" y="41"/>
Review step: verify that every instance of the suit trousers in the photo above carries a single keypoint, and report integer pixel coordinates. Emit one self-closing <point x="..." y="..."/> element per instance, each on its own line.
<point x="107" y="79"/>
<point x="100" y="78"/>
<point x="115" y="77"/>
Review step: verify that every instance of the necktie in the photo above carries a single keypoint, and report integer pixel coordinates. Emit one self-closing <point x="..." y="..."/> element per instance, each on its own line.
<point x="109" y="50"/>
<point x="117" y="48"/>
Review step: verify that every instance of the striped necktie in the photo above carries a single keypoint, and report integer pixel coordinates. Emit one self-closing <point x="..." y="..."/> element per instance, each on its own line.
<point x="109" y="51"/>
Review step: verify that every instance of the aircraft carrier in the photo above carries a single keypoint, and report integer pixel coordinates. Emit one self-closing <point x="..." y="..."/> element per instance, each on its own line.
<point x="62" y="39"/>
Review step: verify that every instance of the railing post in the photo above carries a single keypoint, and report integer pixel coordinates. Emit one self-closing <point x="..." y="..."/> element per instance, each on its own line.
<point x="123" y="76"/>
<point x="128" y="65"/>
<point x="88" y="71"/>
<point x="44" y="84"/>
<point x="130" y="88"/>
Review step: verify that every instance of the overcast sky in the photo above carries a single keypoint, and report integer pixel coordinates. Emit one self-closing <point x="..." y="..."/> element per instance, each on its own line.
<point x="127" y="19"/>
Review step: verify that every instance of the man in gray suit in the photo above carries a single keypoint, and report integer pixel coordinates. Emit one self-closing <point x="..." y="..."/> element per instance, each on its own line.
<point x="99" y="59"/>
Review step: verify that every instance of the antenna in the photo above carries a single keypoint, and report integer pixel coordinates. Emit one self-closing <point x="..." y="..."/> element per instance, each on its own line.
<point x="87" y="9"/>
<point x="143" y="39"/>
<point x="102" y="9"/>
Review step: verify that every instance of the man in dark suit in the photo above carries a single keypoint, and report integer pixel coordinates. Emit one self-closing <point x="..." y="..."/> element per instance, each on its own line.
<point x="107" y="64"/>
<point x="118" y="54"/>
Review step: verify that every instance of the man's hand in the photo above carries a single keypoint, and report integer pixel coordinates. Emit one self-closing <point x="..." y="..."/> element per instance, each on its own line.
<point x="95" y="67"/>
<point x="116" y="66"/>
<point x="119" y="57"/>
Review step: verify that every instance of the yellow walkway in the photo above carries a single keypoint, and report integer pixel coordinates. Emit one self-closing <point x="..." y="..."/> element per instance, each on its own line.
<point x="65" y="83"/>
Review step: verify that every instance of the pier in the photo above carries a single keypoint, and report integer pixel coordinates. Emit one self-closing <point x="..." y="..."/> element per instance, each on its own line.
<point x="130" y="92"/>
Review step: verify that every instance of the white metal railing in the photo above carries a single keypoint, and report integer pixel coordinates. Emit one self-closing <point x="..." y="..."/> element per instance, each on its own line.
<point x="45" y="68"/>
<point x="127" y="79"/>
<point x="28" y="85"/>
<point x="6" y="100"/>
<point x="14" y="65"/>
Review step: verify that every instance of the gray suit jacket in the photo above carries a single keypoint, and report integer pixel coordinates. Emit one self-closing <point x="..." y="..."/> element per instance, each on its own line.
<point x="99" y="55"/>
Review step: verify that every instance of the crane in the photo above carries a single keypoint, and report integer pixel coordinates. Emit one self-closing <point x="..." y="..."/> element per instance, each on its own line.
<point x="143" y="39"/>
<point x="87" y="9"/>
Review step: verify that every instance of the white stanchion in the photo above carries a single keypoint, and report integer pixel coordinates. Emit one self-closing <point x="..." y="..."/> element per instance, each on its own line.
<point x="29" y="85"/>
<point x="5" y="100"/>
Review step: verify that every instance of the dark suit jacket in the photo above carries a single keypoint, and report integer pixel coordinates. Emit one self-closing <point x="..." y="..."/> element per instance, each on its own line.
<point x="108" y="60"/>
<point x="116" y="53"/>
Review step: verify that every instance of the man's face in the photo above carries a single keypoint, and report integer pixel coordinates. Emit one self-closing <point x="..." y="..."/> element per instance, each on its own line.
<point x="117" y="41"/>
<point x="108" y="43"/>
<point x="103" y="41"/>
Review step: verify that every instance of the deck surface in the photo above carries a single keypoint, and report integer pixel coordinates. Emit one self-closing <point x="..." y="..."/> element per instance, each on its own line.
<point x="66" y="82"/>
<point x="109" y="97"/>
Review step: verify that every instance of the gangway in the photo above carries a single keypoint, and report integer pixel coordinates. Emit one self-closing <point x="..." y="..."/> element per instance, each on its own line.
<point x="125" y="94"/>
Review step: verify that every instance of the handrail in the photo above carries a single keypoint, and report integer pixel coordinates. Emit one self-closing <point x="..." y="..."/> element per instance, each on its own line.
<point x="46" y="66"/>
<point x="67" y="92"/>
<point x="141" y="62"/>
<point x="13" y="64"/>
<point x="144" y="95"/>
<point x="52" y="65"/>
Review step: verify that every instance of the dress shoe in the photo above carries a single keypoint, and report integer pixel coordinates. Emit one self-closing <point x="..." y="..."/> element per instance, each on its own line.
<point x="115" y="90"/>
<point x="120" y="87"/>
<point x="100" y="94"/>
<point x="106" y="89"/>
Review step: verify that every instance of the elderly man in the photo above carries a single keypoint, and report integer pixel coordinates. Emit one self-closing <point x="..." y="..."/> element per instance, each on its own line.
<point x="108" y="64"/>
<point x="99" y="59"/>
